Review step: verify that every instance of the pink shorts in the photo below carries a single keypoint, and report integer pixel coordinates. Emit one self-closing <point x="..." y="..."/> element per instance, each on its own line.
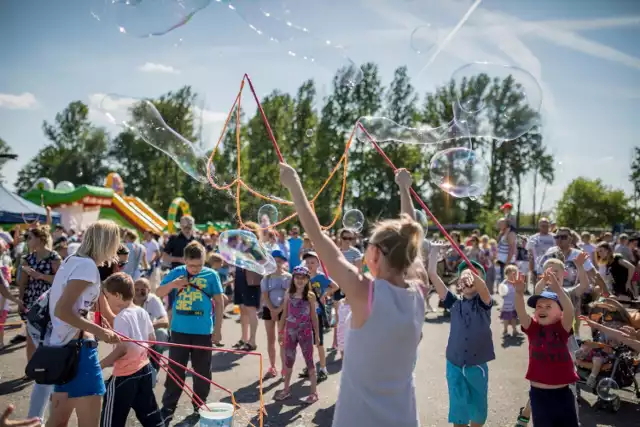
<point x="3" y="318"/>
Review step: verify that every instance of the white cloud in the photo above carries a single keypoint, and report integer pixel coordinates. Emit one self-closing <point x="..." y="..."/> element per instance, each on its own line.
<point x="152" y="67"/>
<point x="24" y="101"/>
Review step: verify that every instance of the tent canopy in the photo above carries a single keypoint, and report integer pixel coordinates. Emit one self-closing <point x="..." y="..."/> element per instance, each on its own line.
<point x="16" y="210"/>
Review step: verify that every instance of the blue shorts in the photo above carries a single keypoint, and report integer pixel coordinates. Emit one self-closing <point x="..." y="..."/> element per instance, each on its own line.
<point x="468" y="393"/>
<point x="88" y="381"/>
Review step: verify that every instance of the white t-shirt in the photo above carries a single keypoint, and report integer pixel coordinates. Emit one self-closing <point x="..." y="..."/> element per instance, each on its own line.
<point x="588" y="248"/>
<point x="132" y="322"/>
<point x="73" y="268"/>
<point x="72" y="248"/>
<point x="538" y="245"/>
<point x="154" y="307"/>
<point x="152" y="248"/>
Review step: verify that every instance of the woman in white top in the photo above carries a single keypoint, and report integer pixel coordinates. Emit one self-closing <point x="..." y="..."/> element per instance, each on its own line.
<point x="75" y="289"/>
<point x="376" y="387"/>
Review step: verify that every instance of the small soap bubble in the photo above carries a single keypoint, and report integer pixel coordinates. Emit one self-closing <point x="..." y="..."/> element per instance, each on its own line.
<point x="309" y="133"/>
<point x="267" y="216"/>
<point x="423" y="39"/>
<point x="353" y="220"/>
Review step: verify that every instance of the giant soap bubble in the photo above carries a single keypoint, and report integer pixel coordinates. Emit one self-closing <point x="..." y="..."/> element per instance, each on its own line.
<point x="242" y="249"/>
<point x="496" y="101"/>
<point x="459" y="172"/>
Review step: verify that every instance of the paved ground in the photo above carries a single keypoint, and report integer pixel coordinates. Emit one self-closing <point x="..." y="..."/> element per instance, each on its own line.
<point x="507" y="387"/>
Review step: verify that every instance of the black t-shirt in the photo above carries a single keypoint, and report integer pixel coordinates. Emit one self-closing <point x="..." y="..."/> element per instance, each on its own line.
<point x="618" y="271"/>
<point x="175" y="247"/>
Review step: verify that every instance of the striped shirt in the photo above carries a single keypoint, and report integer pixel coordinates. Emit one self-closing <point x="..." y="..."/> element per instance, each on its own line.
<point x="352" y="255"/>
<point x="503" y="248"/>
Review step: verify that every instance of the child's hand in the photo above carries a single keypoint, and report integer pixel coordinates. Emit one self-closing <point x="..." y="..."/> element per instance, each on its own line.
<point x="403" y="178"/>
<point x="288" y="175"/>
<point x="581" y="259"/>
<point x="554" y="282"/>
<point x="520" y="283"/>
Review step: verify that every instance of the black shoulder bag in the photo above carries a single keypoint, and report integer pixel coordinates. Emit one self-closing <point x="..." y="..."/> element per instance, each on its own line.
<point x="55" y="365"/>
<point x="52" y="365"/>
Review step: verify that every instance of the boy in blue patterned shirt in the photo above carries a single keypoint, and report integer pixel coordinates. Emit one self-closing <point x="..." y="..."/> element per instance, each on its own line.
<point x="470" y="344"/>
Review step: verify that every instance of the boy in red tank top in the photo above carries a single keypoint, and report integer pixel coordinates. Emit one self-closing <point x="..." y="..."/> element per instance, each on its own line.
<point x="551" y="368"/>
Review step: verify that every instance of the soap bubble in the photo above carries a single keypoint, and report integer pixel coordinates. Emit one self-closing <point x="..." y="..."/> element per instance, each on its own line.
<point x="459" y="172"/>
<point x="503" y="289"/>
<point x="423" y="39"/>
<point x="43" y="184"/>
<point x="267" y="216"/>
<point x="148" y="18"/>
<point x="142" y="118"/>
<point x="504" y="104"/>
<point x="65" y="186"/>
<point x="384" y="130"/>
<point x="309" y="133"/>
<point x="421" y="218"/>
<point x="353" y="220"/>
<point x="241" y="248"/>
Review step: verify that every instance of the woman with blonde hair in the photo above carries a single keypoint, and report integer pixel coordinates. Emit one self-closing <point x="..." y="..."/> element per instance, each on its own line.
<point x="377" y="386"/>
<point x="38" y="268"/>
<point x="75" y="289"/>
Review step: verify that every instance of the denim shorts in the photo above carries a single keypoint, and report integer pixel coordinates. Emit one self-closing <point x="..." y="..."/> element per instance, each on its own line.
<point x="88" y="380"/>
<point x="468" y="393"/>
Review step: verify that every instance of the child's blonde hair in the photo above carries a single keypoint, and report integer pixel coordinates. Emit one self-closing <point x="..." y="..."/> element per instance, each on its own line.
<point x="553" y="262"/>
<point x="510" y="269"/>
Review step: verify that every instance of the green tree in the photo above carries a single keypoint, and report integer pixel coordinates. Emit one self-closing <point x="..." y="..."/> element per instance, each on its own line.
<point x="76" y="151"/>
<point x="589" y="203"/>
<point x="5" y="155"/>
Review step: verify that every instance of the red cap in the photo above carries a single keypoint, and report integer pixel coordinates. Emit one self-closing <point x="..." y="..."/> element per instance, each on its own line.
<point x="506" y="206"/>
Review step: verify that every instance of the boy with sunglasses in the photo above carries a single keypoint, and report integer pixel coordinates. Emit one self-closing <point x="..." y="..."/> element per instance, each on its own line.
<point x="470" y="344"/>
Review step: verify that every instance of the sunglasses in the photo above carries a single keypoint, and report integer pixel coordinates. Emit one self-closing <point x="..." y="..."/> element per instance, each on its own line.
<point x="121" y="264"/>
<point x="561" y="237"/>
<point x="346" y="238"/>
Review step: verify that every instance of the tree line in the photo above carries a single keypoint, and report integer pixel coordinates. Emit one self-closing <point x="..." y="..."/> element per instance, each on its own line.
<point x="312" y="134"/>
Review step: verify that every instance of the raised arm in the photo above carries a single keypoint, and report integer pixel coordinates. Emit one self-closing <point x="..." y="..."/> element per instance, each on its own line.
<point x="567" y="306"/>
<point x="432" y="271"/>
<point x="353" y="284"/>
<point x="613" y="333"/>
<point x="583" y="277"/>
<point x="521" y="308"/>
<point x="404" y="181"/>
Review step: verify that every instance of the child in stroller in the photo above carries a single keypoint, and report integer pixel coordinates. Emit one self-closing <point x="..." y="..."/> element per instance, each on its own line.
<point x="610" y="365"/>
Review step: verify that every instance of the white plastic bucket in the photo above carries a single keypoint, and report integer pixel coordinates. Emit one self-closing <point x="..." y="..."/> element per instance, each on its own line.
<point x="216" y="414"/>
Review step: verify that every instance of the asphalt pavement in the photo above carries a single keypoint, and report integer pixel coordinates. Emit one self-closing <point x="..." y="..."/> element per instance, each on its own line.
<point x="240" y="374"/>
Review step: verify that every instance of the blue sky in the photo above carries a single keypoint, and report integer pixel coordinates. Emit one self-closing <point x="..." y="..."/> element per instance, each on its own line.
<point x="584" y="54"/>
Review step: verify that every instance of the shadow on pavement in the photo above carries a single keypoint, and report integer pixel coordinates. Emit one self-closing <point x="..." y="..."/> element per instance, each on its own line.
<point x="628" y="414"/>
<point x="511" y="341"/>
<point x="14" y="386"/>
<point x="221" y="362"/>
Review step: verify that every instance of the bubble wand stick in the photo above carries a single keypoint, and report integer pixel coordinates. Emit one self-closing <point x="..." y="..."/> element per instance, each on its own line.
<point x="418" y="199"/>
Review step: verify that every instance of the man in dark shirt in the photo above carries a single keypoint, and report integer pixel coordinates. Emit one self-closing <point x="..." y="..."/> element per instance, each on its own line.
<point x="174" y="248"/>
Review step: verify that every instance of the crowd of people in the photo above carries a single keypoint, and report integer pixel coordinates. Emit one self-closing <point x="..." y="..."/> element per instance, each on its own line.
<point x="166" y="297"/>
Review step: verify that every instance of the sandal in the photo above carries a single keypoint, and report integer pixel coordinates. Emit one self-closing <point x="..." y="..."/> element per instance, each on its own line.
<point x="281" y="395"/>
<point x="522" y="421"/>
<point x="272" y="372"/>
<point x="312" y="398"/>
<point x="239" y="345"/>
<point x="248" y="347"/>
